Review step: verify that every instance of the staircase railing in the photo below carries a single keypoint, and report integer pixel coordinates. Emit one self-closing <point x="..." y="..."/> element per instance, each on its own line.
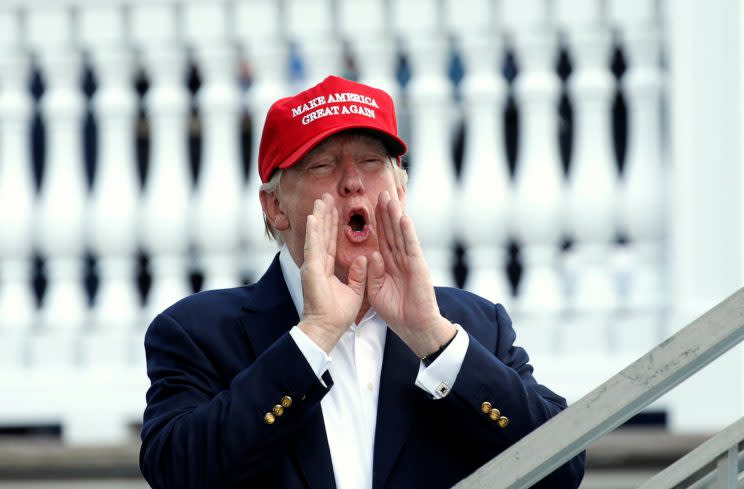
<point x="716" y="463"/>
<point x="622" y="396"/>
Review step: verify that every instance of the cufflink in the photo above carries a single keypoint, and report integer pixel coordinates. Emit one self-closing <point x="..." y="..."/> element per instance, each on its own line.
<point x="442" y="389"/>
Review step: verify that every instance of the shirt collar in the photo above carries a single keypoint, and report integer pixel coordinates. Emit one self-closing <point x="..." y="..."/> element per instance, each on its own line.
<point x="291" y="273"/>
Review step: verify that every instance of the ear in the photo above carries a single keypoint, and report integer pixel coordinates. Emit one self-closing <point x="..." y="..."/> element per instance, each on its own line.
<point x="272" y="208"/>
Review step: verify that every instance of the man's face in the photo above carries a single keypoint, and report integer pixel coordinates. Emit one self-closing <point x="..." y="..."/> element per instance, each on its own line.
<point x="354" y="168"/>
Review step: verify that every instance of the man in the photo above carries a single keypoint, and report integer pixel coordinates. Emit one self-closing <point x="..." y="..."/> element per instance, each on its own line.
<point x="342" y="366"/>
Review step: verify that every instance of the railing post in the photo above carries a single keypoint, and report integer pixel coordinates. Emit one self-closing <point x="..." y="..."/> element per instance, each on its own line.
<point x="645" y="180"/>
<point x="217" y="198"/>
<point x="727" y="469"/>
<point x="591" y="198"/>
<point x="257" y="25"/>
<point x="164" y="223"/>
<point x="714" y="455"/>
<point x="485" y="191"/>
<point x="539" y="195"/>
<point x="112" y="227"/>
<point x="430" y="197"/>
<point x="17" y="304"/>
<point x="63" y="195"/>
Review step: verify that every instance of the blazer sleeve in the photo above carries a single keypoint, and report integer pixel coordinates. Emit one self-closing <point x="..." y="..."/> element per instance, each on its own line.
<point x="503" y="377"/>
<point x="198" y="432"/>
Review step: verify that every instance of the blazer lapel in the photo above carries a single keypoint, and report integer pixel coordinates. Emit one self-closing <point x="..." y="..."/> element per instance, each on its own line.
<point x="398" y="393"/>
<point x="313" y="455"/>
<point x="269" y="309"/>
<point x="270" y="314"/>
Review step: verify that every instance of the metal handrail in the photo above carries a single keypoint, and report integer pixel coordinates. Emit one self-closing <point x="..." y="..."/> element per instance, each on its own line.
<point x="690" y="466"/>
<point x="615" y="401"/>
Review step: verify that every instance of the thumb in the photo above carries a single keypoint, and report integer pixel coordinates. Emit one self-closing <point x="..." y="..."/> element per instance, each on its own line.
<point x="376" y="273"/>
<point x="358" y="275"/>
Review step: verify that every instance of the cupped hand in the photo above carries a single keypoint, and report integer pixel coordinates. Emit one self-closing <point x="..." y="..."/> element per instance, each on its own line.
<point x="330" y="305"/>
<point x="399" y="284"/>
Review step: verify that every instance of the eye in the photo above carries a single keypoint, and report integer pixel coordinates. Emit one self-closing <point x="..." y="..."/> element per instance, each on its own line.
<point x="320" y="167"/>
<point x="373" y="162"/>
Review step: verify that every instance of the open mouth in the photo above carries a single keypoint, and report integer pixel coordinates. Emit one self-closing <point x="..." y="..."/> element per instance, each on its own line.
<point x="357" y="222"/>
<point x="357" y="227"/>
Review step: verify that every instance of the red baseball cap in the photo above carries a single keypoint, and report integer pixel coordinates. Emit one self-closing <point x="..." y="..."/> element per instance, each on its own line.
<point x="295" y="125"/>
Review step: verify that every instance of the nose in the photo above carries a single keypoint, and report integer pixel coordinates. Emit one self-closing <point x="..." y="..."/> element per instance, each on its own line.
<point x="351" y="179"/>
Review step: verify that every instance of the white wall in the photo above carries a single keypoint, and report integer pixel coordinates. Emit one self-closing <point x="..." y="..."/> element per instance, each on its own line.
<point x="704" y="46"/>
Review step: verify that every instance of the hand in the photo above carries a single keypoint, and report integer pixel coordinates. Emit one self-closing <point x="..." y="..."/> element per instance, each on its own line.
<point x="330" y="305"/>
<point x="399" y="285"/>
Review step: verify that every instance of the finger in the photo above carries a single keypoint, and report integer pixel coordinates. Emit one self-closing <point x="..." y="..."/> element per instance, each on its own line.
<point x="396" y="212"/>
<point x="312" y="241"/>
<point x="318" y="207"/>
<point x="382" y="230"/>
<point x="320" y="240"/>
<point x="387" y="222"/>
<point x="329" y="238"/>
<point x="358" y="275"/>
<point x="375" y="274"/>
<point x="318" y="213"/>
<point x="413" y="247"/>
<point x="392" y="229"/>
<point x="333" y="232"/>
<point x="330" y="207"/>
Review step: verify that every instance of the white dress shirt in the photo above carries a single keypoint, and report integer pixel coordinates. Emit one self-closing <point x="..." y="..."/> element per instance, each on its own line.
<point x="350" y="407"/>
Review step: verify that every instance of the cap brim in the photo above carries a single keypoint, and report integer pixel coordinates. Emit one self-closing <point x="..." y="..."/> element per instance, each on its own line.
<point x="395" y="145"/>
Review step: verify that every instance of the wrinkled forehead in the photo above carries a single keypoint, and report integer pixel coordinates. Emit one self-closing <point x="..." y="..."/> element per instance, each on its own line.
<point x="367" y="141"/>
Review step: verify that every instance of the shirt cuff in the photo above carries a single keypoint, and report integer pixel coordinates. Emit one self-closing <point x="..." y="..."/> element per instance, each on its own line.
<point x="315" y="356"/>
<point x="438" y="378"/>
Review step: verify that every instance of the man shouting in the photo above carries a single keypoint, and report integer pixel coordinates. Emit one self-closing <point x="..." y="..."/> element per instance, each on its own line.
<point x="343" y="366"/>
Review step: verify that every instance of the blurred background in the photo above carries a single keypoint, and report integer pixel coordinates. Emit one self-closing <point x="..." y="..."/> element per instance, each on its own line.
<point x="578" y="161"/>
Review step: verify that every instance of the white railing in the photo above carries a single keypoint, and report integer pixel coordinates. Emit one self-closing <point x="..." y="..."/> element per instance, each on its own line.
<point x="601" y="303"/>
<point x="635" y="387"/>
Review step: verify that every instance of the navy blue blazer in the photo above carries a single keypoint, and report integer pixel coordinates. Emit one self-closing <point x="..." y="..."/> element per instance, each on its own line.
<point x="219" y="360"/>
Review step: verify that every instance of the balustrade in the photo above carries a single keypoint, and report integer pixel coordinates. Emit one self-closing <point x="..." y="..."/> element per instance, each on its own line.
<point x="539" y="201"/>
<point x="485" y="192"/>
<point x="167" y="198"/>
<point x="567" y="302"/>
<point x="17" y="196"/>
<point x="63" y="193"/>
<point x="430" y="195"/>
<point x="592" y="183"/>
<point x="267" y="56"/>
<point x="112" y="227"/>
<point x="644" y="188"/>
<point x="310" y="27"/>
<point x="218" y="192"/>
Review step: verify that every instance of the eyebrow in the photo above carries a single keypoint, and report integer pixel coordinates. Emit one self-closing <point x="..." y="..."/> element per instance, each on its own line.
<point x="376" y="154"/>
<point x="314" y="158"/>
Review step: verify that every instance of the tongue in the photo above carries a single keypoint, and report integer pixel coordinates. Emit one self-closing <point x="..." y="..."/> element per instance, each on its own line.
<point x="356" y="222"/>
